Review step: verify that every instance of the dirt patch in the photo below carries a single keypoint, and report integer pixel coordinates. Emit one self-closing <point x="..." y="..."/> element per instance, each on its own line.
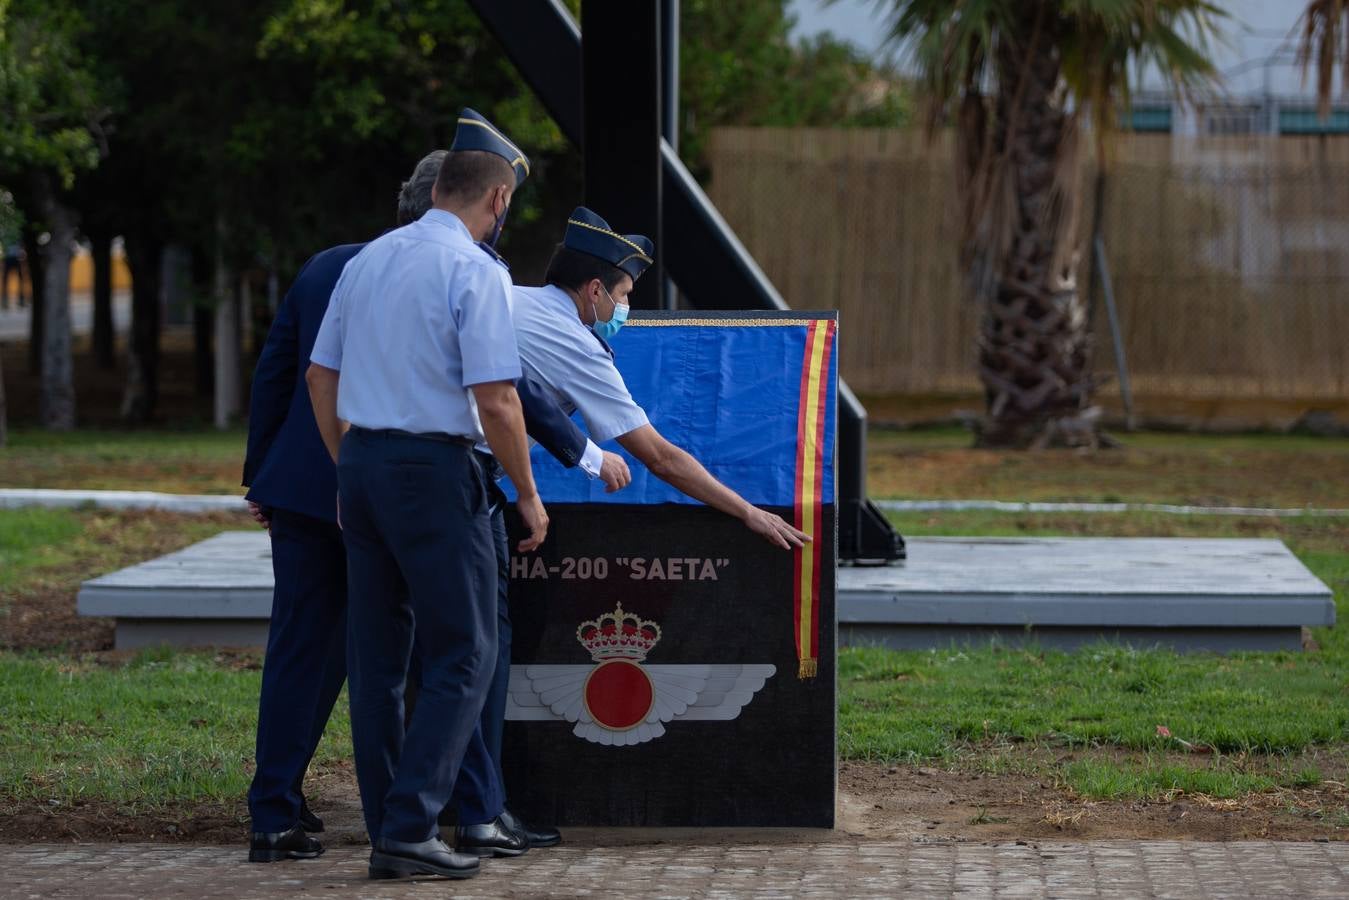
<point x="876" y="802"/>
<point x="1212" y="475"/>
<point x="40" y="611"/>
<point x="903" y="802"/>
<point x="1151" y="411"/>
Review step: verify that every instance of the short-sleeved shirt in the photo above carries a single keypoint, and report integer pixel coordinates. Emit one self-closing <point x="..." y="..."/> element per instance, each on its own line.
<point x="417" y="317"/>
<point x="559" y="351"/>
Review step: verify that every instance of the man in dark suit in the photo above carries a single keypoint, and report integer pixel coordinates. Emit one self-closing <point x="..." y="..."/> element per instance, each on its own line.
<point x="293" y="491"/>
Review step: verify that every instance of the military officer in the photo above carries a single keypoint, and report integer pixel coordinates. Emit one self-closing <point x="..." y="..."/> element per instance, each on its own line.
<point x="563" y="330"/>
<point x="417" y="354"/>
<point x="293" y="484"/>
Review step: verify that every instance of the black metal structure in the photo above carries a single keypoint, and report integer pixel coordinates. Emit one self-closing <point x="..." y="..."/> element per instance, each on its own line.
<point x="697" y="248"/>
<point x="621" y="125"/>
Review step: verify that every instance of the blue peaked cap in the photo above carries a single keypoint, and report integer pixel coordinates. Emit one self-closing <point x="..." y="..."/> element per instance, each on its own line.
<point x="590" y="234"/>
<point x="474" y="132"/>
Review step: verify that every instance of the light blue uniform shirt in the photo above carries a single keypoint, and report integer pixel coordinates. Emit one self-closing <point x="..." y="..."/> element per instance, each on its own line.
<point x="417" y="317"/>
<point x="560" y="352"/>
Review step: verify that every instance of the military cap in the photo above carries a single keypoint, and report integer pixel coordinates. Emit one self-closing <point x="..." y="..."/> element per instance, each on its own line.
<point x="590" y="234"/>
<point x="474" y="132"/>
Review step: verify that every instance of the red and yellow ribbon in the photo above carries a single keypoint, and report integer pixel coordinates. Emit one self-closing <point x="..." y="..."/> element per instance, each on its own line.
<point x="811" y="416"/>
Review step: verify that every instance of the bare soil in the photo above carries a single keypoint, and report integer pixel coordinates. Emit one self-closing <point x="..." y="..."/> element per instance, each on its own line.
<point x="1210" y="475"/>
<point x="39" y="613"/>
<point x="877" y="802"/>
<point x="1160" y="412"/>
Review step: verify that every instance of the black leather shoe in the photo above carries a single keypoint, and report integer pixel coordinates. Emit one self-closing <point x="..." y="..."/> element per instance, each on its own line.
<point x="308" y="821"/>
<point x="272" y="846"/>
<point x="537" y="837"/>
<point x="401" y="859"/>
<point x="492" y="839"/>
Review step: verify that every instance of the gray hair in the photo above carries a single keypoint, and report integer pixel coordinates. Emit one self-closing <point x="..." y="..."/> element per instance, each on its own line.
<point x="414" y="198"/>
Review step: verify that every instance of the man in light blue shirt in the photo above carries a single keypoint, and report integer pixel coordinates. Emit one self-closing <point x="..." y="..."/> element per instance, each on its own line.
<point x="417" y="354"/>
<point x="561" y="329"/>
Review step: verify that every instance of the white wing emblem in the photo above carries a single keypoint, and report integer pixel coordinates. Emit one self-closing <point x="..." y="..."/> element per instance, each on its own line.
<point x="622" y="703"/>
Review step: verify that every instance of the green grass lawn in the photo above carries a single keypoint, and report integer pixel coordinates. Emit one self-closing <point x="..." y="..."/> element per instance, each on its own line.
<point x="1223" y="470"/>
<point x="182" y="462"/>
<point x="161" y="728"/>
<point x="1204" y="470"/>
<point x="27" y="536"/>
<point x="1260" y="714"/>
<point x="168" y="728"/>
<point x="165" y="728"/>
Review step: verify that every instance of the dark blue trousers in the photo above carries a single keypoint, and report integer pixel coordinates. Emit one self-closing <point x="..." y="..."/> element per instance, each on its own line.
<point x="421" y="568"/>
<point x="305" y="664"/>
<point x="479" y="793"/>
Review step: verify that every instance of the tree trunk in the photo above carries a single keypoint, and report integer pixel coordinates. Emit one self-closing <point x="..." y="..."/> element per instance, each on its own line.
<point x="1034" y="343"/>
<point x="57" y="401"/>
<point x="101" y="245"/>
<point x="4" y="414"/>
<point x="38" y="285"/>
<point x="143" y="254"/>
<point x="203" y="357"/>
<point x="228" y="337"/>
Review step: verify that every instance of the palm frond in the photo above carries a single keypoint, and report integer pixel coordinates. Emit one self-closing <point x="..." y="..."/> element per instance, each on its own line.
<point x="1325" y="40"/>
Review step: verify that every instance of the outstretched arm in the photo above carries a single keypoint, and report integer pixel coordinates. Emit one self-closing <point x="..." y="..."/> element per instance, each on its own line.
<point x="680" y="470"/>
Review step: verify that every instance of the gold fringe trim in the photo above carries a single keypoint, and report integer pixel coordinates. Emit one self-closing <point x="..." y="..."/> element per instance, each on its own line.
<point x="724" y="323"/>
<point x="809" y="668"/>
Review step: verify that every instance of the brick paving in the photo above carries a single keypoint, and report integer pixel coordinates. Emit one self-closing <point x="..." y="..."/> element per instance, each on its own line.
<point x="823" y="868"/>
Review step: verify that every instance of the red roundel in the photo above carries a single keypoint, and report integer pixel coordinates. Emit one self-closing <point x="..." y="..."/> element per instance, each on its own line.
<point x="618" y="694"/>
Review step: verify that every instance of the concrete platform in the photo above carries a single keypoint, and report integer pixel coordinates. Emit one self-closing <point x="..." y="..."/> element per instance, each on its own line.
<point x="1188" y="593"/>
<point x="1191" y="594"/>
<point x="217" y="592"/>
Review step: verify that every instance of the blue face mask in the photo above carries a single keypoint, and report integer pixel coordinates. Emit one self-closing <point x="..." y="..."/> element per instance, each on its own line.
<point x="607" y="330"/>
<point x="496" y="228"/>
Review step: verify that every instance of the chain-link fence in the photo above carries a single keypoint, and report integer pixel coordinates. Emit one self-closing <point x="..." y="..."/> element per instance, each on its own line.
<point x="1229" y="256"/>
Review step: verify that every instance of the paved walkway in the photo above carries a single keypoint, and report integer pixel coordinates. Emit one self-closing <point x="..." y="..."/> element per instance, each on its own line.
<point x="826" y="868"/>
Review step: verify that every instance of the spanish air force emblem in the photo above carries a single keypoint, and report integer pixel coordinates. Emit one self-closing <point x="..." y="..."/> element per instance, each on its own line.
<point x="619" y="700"/>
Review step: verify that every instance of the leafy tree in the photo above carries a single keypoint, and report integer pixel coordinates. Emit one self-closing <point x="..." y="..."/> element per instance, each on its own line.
<point x="739" y="66"/>
<point x="1017" y="78"/>
<point x="252" y="135"/>
<point x="50" y="127"/>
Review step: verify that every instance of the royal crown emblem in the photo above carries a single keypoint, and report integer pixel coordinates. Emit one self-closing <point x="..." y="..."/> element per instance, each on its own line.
<point x="620" y="701"/>
<point x="618" y="635"/>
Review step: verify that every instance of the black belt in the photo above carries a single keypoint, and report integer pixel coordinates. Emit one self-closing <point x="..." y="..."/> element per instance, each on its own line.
<point x="438" y="436"/>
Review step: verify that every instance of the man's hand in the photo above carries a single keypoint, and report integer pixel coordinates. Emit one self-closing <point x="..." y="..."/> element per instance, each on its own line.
<point x="774" y="529"/>
<point x="614" y="473"/>
<point x="259" y="516"/>
<point x="536" y="520"/>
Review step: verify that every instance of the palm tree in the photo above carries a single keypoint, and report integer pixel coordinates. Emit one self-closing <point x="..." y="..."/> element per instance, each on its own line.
<point x="1325" y="42"/>
<point x="1018" y="79"/>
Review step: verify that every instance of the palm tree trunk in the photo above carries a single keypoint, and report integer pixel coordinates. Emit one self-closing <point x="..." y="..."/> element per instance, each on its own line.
<point x="57" y="401"/>
<point x="1034" y="343"/>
